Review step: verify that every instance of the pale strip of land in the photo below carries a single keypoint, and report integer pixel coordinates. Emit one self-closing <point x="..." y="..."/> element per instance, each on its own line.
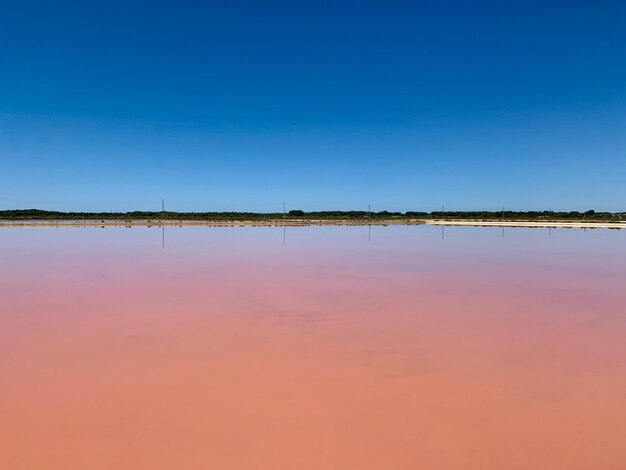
<point x="515" y="223"/>
<point x="303" y="223"/>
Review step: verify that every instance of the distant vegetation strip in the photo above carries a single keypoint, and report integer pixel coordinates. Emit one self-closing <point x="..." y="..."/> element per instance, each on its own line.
<point x="37" y="214"/>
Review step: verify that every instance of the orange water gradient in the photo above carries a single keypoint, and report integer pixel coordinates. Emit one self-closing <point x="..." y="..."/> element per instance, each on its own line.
<point x="228" y="349"/>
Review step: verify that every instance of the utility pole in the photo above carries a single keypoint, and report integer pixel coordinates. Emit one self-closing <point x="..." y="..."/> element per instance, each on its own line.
<point x="284" y="226"/>
<point x="443" y="208"/>
<point x="162" y="209"/>
<point x="502" y="213"/>
<point x="369" y="211"/>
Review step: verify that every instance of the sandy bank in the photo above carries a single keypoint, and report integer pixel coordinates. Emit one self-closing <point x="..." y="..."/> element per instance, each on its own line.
<point x="504" y="223"/>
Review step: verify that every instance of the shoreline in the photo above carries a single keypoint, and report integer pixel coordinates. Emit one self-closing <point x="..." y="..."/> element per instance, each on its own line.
<point x="527" y="224"/>
<point x="204" y="223"/>
<point x="300" y="223"/>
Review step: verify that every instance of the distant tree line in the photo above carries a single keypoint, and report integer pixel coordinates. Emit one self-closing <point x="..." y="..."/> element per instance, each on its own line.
<point x="37" y="214"/>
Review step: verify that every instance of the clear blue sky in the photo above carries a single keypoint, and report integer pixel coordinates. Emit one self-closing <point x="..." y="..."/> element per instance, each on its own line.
<point x="325" y="105"/>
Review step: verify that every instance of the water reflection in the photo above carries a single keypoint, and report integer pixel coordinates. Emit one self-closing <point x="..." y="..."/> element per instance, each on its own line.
<point x="230" y="352"/>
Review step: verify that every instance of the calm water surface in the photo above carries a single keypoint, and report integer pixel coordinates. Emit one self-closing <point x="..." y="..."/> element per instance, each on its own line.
<point x="315" y="348"/>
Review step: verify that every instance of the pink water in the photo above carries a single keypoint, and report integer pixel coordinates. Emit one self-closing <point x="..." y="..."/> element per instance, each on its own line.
<point x="236" y="348"/>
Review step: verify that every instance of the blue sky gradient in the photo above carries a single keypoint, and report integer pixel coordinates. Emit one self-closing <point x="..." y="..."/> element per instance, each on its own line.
<point x="326" y="105"/>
